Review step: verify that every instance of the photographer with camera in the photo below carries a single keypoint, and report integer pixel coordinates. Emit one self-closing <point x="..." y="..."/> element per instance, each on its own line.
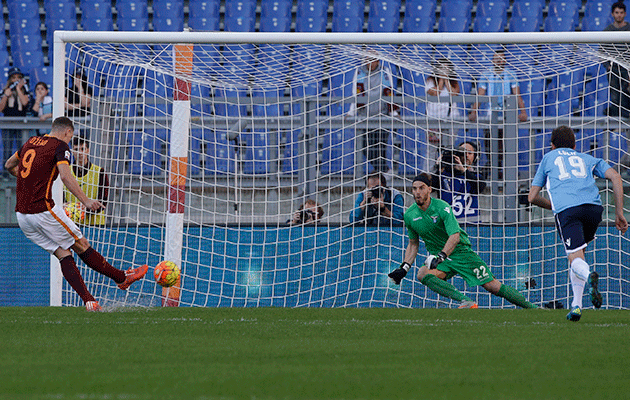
<point x="15" y="102"/>
<point x="458" y="182"/>
<point x="308" y="213"/>
<point x="378" y="205"/>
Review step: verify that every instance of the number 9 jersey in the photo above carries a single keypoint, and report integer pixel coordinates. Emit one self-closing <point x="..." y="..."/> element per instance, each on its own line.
<point x="37" y="171"/>
<point x="569" y="177"/>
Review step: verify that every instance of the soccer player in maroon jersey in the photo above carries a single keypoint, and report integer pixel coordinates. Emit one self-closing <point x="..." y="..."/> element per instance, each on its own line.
<point x="36" y="166"/>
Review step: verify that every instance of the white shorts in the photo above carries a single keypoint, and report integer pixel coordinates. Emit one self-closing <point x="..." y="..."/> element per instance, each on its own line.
<point x="50" y="230"/>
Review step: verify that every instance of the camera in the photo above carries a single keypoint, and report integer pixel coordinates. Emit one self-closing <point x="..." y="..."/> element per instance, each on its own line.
<point x="13" y="85"/>
<point x="378" y="191"/>
<point x="305" y="215"/>
<point x="449" y="154"/>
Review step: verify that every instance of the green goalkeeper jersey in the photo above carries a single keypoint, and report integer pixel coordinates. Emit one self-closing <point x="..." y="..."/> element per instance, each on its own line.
<point x="434" y="226"/>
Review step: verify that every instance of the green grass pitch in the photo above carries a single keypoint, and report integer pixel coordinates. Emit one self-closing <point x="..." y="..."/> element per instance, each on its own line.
<point x="272" y="353"/>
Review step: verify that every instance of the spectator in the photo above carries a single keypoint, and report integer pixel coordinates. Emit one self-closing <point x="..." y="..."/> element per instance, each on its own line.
<point x="442" y="83"/>
<point x="42" y="106"/>
<point x="308" y="213"/>
<point x="79" y="96"/>
<point x="619" y="78"/>
<point x="92" y="180"/>
<point x="15" y="102"/>
<point x="499" y="82"/>
<point x="457" y="181"/>
<point x="378" y="205"/>
<point x="374" y="82"/>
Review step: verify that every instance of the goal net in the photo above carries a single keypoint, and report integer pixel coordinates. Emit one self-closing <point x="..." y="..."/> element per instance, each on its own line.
<point x="245" y="158"/>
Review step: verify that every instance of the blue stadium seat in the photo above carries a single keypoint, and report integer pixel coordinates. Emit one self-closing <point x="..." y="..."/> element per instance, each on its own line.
<point x="60" y="16"/>
<point x="452" y="8"/>
<point x="495" y="8"/>
<point x="230" y="102"/>
<point x="132" y="15"/>
<point x="238" y="60"/>
<point x="97" y="15"/>
<point x="121" y="86"/>
<point x="272" y="95"/>
<point x="97" y="23"/>
<point x="413" y="84"/>
<point x="528" y="8"/>
<point x="558" y="95"/>
<point x="200" y="24"/>
<point x="384" y="16"/>
<point x="311" y="16"/>
<point x="94" y="68"/>
<point x="291" y="154"/>
<point x="168" y="15"/>
<point x="481" y="56"/>
<point x="240" y="16"/>
<point x="204" y="8"/>
<point x="533" y="94"/>
<point x="489" y="24"/>
<point x="594" y="24"/>
<point x="275" y="16"/>
<point x="561" y="11"/>
<point x="273" y="61"/>
<point x="338" y="152"/>
<point x="617" y="146"/>
<point x="198" y="93"/>
<point x="41" y="74"/>
<point x="596" y="94"/>
<point x="62" y="9"/>
<point x="206" y="58"/>
<point x="348" y="15"/>
<point x="158" y="90"/>
<point x="144" y="153"/>
<point x="28" y="59"/>
<point x="526" y="23"/>
<point x="256" y="160"/>
<point x="341" y="85"/>
<point x="24" y="9"/>
<point x="419" y="16"/>
<point x="560" y="24"/>
<point x="454" y="23"/>
<point x="220" y="154"/>
<point x="413" y="152"/>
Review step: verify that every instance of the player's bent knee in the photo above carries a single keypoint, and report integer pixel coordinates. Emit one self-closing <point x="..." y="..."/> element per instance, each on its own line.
<point x="81" y="245"/>
<point x="62" y="253"/>
<point x="580" y="268"/>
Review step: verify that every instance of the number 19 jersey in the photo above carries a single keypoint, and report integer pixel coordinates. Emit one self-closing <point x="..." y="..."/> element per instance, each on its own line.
<point x="569" y="177"/>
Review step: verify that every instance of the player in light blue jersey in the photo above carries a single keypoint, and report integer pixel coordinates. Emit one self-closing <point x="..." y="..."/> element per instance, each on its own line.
<point x="569" y="177"/>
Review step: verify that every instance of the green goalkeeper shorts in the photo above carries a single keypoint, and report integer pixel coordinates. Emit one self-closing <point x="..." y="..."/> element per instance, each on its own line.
<point x="468" y="265"/>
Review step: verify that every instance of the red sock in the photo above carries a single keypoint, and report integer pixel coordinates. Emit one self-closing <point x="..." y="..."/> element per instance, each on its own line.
<point x="97" y="262"/>
<point x="71" y="273"/>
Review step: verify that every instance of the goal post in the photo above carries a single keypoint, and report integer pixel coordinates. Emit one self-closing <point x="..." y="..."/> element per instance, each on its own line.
<point x="215" y="142"/>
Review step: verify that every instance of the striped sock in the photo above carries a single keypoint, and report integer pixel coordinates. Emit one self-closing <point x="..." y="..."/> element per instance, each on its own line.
<point x="443" y="288"/>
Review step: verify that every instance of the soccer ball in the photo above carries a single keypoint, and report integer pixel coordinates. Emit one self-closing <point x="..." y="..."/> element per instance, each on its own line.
<point x="166" y="273"/>
<point x="75" y="211"/>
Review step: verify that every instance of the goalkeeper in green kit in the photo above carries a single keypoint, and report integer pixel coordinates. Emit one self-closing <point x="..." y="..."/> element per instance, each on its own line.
<point x="449" y="251"/>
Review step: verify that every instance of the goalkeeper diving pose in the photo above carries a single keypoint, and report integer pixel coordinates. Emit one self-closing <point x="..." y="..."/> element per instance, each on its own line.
<point x="449" y="248"/>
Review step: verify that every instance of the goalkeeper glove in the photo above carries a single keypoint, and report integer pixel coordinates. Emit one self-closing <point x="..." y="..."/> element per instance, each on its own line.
<point x="432" y="261"/>
<point x="398" y="274"/>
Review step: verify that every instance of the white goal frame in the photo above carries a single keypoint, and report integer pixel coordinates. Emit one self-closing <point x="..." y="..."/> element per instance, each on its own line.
<point x="174" y="226"/>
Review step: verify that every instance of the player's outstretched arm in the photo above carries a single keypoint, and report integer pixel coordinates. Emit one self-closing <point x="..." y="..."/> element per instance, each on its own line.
<point x="536" y="199"/>
<point x="411" y="252"/>
<point x="73" y="186"/>
<point x="620" y="220"/>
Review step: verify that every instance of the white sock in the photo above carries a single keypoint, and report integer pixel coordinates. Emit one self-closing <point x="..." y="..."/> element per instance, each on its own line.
<point x="579" y="274"/>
